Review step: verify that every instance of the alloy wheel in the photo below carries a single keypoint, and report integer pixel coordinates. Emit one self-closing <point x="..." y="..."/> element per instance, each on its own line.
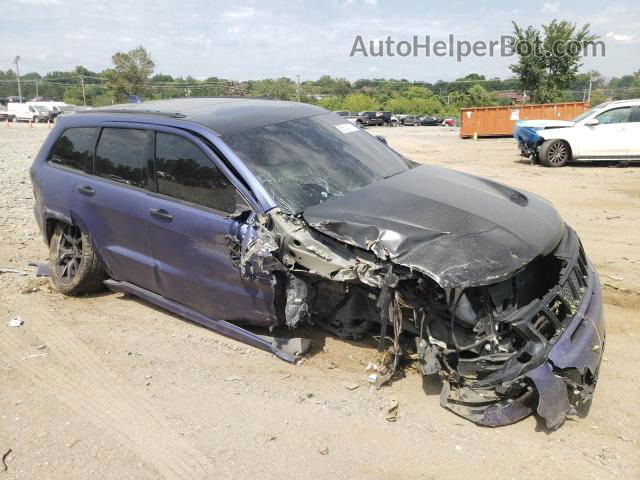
<point x="558" y="153"/>
<point x="69" y="253"/>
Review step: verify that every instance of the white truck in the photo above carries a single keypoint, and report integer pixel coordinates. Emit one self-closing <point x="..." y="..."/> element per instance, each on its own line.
<point x="25" y="112"/>
<point x="55" y="108"/>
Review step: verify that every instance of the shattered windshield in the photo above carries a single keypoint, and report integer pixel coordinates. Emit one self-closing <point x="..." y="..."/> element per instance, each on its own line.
<point x="310" y="160"/>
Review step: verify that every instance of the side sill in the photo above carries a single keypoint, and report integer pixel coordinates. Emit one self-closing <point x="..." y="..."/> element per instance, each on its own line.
<point x="220" y="326"/>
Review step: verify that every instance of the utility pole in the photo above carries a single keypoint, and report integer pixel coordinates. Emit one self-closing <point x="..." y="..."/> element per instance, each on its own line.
<point x="16" y="60"/>
<point x="84" y="97"/>
<point x="298" y="87"/>
<point x="35" y="82"/>
<point x="589" y="95"/>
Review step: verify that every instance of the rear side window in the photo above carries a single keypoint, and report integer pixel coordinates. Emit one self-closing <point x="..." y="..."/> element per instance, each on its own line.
<point x="185" y="172"/>
<point x="120" y="155"/>
<point x="74" y="148"/>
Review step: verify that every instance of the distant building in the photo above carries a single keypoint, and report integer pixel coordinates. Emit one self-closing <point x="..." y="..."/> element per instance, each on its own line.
<point x="514" y="96"/>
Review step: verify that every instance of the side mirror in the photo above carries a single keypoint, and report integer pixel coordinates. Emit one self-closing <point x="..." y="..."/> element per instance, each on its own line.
<point x="382" y="139"/>
<point x="592" y="122"/>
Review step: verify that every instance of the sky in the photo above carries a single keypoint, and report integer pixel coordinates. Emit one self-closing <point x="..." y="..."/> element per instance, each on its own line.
<point x="268" y="39"/>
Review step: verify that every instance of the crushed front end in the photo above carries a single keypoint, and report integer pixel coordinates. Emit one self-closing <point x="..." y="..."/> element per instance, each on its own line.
<point x="528" y="141"/>
<point x="483" y="286"/>
<point x="533" y="342"/>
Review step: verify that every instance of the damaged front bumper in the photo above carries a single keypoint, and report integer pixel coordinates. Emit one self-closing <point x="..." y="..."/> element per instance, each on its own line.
<point x="561" y="382"/>
<point x="528" y="141"/>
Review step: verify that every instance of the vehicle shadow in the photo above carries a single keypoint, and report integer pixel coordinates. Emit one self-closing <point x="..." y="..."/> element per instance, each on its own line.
<point x="584" y="164"/>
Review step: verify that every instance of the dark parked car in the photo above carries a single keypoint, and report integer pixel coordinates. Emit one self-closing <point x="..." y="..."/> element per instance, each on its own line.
<point x="374" y="118"/>
<point x="410" y="120"/>
<point x="430" y="121"/>
<point x="237" y="212"/>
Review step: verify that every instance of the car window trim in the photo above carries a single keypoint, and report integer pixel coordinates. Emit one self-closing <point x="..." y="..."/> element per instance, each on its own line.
<point x="213" y="156"/>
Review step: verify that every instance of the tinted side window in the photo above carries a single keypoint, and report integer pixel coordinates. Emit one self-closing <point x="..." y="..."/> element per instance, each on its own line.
<point x="185" y="172"/>
<point x="120" y="155"/>
<point x="74" y="148"/>
<point x="616" y="115"/>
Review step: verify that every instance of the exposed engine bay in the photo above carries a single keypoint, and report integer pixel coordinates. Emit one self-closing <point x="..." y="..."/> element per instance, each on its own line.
<point x="496" y="347"/>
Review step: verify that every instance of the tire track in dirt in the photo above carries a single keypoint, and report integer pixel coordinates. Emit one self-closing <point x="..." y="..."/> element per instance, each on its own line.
<point x="78" y="378"/>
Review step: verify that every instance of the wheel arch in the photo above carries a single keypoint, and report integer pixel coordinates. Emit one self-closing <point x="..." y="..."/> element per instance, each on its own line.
<point x="561" y="138"/>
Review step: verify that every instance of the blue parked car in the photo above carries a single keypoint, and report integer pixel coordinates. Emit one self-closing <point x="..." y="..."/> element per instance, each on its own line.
<point x="239" y="213"/>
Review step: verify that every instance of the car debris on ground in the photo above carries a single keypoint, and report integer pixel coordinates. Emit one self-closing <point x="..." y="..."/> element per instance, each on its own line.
<point x="16" y="322"/>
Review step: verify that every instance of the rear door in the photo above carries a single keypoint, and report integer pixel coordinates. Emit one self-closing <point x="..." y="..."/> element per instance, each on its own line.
<point x="112" y="205"/>
<point x="193" y="219"/>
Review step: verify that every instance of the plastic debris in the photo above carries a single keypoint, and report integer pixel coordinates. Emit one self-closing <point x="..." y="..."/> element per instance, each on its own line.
<point x="12" y="270"/>
<point x="15" y="322"/>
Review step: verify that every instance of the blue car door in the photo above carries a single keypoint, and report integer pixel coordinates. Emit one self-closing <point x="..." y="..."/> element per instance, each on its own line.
<point x="112" y="205"/>
<point x="192" y="223"/>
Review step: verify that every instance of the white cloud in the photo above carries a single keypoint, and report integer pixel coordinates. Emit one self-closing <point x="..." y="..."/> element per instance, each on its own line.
<point x="549" y="7"/>
<point x="75" y="36"/>
<point x="619" y="37"/>
<point x="240" y="13"/>
<point x="38" y="2"/>
<point x="371" y="3"/>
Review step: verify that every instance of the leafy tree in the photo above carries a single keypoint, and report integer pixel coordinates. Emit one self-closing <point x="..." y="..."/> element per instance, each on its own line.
<point x="549" y="59"/>
<point x="282" y="88"/>
<point x="359" y="102"/>
<point x="480" y="97"/>
<point x="130" y="73"/>
<point x="331" y="103"/>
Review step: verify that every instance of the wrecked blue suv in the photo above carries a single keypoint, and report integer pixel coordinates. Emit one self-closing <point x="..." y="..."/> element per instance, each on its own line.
<point x="239" y="213"/>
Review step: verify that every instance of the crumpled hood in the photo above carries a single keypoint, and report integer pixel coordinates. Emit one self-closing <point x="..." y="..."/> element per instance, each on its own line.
<point x="538" y="124"/>
<point x="458" y="229"/>
<point x="523" y="128"/>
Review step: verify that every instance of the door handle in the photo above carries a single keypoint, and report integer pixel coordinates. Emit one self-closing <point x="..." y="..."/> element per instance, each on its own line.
<point x="160" y="213"/>
<point x="86" y="190"/>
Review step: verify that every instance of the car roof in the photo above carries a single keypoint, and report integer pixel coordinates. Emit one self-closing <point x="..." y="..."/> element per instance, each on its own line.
<point x="222" y="115"/>
<point x="629" y="102"/>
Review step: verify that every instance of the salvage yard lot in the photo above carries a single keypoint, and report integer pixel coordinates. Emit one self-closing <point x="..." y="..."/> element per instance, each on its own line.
<point x="109" y="387"/>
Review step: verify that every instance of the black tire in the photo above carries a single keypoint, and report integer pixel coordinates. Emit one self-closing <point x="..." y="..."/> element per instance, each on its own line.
<point x="554" y="153"/>
<point x="73" y="265"/>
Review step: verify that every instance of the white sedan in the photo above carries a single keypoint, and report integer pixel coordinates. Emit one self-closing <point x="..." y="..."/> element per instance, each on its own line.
<point x="609" y="131"/>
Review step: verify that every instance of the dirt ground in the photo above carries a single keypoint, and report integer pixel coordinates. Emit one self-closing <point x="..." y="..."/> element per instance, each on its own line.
<point x="109" y="387"/>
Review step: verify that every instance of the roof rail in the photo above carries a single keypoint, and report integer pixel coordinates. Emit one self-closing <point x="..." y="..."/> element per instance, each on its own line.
<point x="133" y="111"/>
